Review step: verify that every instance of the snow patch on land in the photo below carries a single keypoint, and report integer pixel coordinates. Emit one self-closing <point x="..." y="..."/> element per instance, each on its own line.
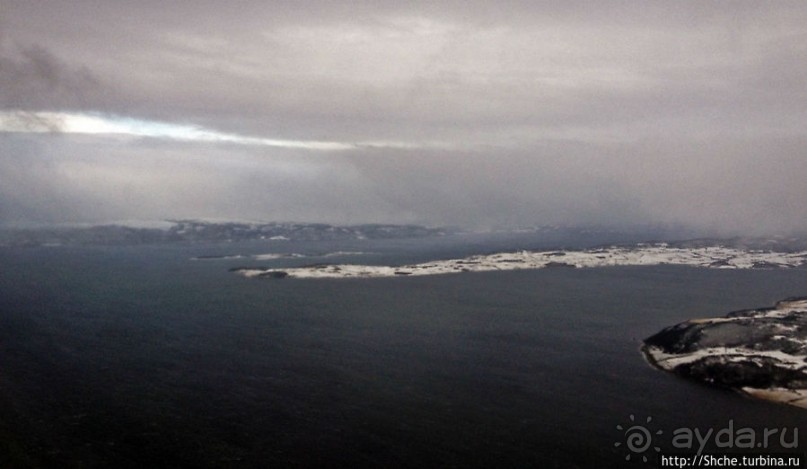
<point x="657" y="254"/>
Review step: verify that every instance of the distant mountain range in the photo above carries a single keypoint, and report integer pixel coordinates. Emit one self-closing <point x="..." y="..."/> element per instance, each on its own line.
<point x="197" y="231"/>
<point x="192" y="230"/>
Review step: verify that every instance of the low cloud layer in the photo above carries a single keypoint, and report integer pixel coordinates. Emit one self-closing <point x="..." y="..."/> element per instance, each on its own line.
<point x="468" y="114"/>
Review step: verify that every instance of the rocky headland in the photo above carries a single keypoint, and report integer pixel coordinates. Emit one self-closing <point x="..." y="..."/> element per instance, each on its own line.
<point x="760" y="352"/>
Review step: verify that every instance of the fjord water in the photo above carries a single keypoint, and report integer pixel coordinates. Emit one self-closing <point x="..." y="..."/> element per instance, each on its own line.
<point x="141" y="357"/>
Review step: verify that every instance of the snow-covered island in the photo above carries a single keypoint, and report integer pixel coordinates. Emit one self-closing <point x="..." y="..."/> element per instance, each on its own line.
<point x="719" y="257"/>
<point x="761" y="352"/>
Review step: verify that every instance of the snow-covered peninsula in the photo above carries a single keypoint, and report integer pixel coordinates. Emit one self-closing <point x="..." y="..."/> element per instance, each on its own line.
<point x="761" y="352"/>
<point x="719" y="257"/>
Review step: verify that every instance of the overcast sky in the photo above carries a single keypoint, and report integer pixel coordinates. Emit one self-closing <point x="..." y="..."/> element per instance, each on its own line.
<point x="465" y="113"/>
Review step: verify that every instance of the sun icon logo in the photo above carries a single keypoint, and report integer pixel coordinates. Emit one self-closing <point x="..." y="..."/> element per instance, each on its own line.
<point x="638" y="439"/>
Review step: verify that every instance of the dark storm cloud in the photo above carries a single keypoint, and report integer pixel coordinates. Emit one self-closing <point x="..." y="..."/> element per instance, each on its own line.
<point x="482" y="113"/>
<point x="31" y="77"/>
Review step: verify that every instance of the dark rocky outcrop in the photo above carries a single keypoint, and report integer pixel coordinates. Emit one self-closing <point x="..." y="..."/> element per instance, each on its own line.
<point x="760" y="352"/>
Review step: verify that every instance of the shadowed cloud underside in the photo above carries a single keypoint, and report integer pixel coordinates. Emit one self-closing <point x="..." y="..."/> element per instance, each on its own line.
<point x="519" y="113"/>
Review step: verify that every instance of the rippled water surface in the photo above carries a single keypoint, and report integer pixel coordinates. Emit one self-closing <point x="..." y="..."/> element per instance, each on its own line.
<point x="142" y="357"/>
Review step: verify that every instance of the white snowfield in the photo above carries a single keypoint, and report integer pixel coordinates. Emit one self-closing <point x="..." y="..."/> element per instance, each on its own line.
<point x="642" y="254"/>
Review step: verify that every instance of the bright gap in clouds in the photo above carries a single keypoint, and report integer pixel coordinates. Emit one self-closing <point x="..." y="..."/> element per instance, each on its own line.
<point x="98" y="124"/>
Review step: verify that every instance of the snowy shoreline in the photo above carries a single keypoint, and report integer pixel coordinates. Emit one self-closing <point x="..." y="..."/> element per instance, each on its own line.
<point x="761" y="353"/>
<point x="717" y="257"/>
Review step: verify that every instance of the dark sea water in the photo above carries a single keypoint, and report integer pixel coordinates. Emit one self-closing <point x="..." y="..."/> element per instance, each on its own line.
<point x="141" y="357"/>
